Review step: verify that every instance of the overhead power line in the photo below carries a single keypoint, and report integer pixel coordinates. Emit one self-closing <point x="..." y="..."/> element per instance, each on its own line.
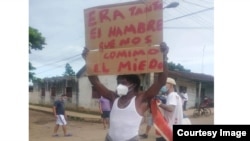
<point x="198" y="18"/>
<point x="194" y="4"/>
<point x="188" y="27"/>
<point x="190" y="14"/>
<point x="61" y="60"/>
<point x="58" y="66"/>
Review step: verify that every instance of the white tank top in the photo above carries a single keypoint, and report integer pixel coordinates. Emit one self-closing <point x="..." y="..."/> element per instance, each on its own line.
<point x="124" y="123"/>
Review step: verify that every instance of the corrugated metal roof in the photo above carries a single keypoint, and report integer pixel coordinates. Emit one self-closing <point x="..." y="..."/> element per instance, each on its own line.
<point x="192" y="76"/>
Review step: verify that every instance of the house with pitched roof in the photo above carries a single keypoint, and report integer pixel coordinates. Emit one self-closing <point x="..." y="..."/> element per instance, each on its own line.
<point x="82" y="95"/>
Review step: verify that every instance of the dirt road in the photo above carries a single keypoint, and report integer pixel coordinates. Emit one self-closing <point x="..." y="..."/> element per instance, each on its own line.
<point x="41" y="128"/>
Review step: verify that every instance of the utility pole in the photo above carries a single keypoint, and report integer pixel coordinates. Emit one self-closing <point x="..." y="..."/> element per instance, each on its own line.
<point x="202" y="63"/>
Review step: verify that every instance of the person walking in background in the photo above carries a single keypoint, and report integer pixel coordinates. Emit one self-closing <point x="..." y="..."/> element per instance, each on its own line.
<point x="149" y="121"/>
<point x="184" y="96"/>
<point x="60" y="115"/>
<point x="105" y="108"/>
<point x="173" y="111"/>
<point x="161" y="96"/>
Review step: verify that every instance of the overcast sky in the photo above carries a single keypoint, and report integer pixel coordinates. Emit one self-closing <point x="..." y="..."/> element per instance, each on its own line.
<point x="188" y="32"/>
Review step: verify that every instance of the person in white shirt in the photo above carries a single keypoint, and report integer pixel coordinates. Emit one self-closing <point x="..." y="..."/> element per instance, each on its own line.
<point x="185" y="99"/>
<point x="173" y="111"/>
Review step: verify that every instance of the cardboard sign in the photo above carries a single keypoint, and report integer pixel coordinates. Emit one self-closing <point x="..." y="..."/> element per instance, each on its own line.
<point x="122" y="27"/>
<point x="125" y="61"/>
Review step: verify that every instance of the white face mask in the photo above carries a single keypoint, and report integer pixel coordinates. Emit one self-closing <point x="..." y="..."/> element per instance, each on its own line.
<point x="122" y="90"/>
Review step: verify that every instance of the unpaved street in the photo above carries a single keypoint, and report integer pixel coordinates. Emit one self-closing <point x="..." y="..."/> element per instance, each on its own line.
<point x="42" y="124"/>
<point x="41" y="128"/>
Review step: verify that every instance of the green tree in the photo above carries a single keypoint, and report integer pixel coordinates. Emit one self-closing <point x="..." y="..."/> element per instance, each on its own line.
<point x="31" y="74"/>
<point x="36" y="42"/>
<point x="68" y="70"/>
<point x="173" y="67"/>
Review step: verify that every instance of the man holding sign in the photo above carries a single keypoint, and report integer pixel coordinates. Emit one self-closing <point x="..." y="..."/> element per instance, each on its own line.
<point x="129" y="104"/>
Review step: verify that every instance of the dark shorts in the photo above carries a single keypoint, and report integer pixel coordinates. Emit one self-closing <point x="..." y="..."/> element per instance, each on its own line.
<point x="108" y="138"/>
<point x="105" y="114"/>
<point x="160" y="139"/>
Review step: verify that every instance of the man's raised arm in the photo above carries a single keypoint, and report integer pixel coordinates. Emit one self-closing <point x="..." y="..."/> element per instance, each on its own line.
<point x="94" y="80"/>
<point x="161" y="80"/>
